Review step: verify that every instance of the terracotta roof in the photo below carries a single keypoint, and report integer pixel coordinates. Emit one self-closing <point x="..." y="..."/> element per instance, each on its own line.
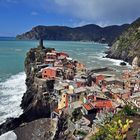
<point x="103" y="104"/>
<point x="88" y="106"/>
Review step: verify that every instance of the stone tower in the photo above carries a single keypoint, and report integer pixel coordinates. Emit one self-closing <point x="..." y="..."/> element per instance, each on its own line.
<point x="40" y="46"/>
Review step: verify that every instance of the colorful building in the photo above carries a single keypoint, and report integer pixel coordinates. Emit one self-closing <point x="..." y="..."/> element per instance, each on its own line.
<point x="51" y="55"/>
<point x="49" y="73"/>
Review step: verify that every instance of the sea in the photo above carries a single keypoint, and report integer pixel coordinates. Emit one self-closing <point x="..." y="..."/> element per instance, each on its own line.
<point x="12" y="75"/>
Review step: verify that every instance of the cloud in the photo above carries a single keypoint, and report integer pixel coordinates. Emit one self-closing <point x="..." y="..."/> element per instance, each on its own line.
<point x="107" y="11"/>
<point x="34" y="13"/>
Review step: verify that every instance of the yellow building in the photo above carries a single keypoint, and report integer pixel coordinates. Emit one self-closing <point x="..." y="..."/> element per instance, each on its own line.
<point x="64" y="97"/>
<point x="63" y="101"/>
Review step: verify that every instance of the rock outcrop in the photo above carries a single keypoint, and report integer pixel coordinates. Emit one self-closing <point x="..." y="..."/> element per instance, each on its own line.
<point x="85" y="33"/>
<point x="35" y="103"/>
<point x="41" y="129"/>
<point x="127" y="47"/>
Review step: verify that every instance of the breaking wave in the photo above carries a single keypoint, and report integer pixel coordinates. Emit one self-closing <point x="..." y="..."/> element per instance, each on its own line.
<point x="11" y="92"/>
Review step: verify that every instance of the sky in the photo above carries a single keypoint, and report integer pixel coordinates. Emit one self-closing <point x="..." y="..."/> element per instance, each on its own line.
<point x="18" y="16"/>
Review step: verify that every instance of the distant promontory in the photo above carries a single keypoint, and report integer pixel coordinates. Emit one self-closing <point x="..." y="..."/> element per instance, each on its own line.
<point x="89" y="32"/>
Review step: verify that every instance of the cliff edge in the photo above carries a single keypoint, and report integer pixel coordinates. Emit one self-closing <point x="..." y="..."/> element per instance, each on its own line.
<point x="127" y="47"/>
<point x="37" y="102"/>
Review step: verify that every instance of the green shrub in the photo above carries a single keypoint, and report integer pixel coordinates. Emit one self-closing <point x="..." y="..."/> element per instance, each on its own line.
<point x="128" y="110"/>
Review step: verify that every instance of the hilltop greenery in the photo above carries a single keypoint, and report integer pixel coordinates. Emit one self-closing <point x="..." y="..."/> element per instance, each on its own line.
<point x="127" y="46"/>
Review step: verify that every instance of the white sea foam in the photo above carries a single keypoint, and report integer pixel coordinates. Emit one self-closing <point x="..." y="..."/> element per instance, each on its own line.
<point x="107" y="47"/>
<point x="101" y="56"/>
<point x="11" y="92"/>
<point x="8" y="136"/>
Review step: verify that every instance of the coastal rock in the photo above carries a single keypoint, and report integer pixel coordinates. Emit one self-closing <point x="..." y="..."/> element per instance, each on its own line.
<point x="34" y="103"/>
<point x="127" y="47"/>
<point x="123" y="64"/>
<point x="89" y="32"/>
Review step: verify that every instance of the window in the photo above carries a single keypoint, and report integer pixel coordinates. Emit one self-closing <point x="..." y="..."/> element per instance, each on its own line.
<point x="78" y="97"/>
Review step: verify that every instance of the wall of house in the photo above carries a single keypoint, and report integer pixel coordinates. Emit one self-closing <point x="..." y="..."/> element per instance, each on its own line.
<point x="125" y="95"/>
<point x="48" y="73"/>
<point x="63" y="102"/>
<point x="99" y="78"/>
<point x="50" y="56"/>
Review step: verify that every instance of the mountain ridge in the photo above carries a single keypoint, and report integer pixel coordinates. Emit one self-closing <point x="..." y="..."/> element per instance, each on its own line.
<point x="90" y="32"/>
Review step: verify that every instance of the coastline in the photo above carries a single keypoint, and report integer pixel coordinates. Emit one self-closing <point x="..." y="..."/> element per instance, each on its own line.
<point x="100" y="57"/>
<point x="42" y="99"/>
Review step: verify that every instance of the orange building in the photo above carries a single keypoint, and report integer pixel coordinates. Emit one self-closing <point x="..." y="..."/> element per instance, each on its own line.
<point x="49" y="73"/>
<point x="99" y="79"/>
<point x="103" y="104"/>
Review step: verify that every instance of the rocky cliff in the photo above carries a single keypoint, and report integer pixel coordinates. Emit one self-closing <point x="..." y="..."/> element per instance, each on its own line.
<point x="128" y="44"/>
<point x="37" y="102"/>
<point x="85" y="33"/>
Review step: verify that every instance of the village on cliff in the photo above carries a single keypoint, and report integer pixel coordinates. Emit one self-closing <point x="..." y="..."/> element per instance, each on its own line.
<point x="92" y="96"/>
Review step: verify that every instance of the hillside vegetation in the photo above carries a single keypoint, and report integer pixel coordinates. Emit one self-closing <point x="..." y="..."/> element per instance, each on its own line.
<point x="127" y="45"/>
<point x="89" y="32"/>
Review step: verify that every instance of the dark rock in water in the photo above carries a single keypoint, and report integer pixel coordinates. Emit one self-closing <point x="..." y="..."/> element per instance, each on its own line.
<point x="123" y="64"/>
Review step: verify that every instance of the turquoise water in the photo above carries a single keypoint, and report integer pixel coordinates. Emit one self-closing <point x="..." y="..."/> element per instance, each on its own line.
<point x="12" y="76"/>
<point x="12" y="54"/>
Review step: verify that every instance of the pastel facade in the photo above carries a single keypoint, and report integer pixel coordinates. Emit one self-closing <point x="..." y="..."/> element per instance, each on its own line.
<point x="120" y="93"/>
<point x="49" y="62"/>
<point x="80" y="67"/>
<point x="62" y="54"/>
<point x="63" y="101"/>
<point x="51" y="55"/>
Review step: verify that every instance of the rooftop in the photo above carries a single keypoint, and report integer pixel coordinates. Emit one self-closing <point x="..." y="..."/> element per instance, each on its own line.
<point x="88" y="106"/>
<point x="79" y="90"/>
